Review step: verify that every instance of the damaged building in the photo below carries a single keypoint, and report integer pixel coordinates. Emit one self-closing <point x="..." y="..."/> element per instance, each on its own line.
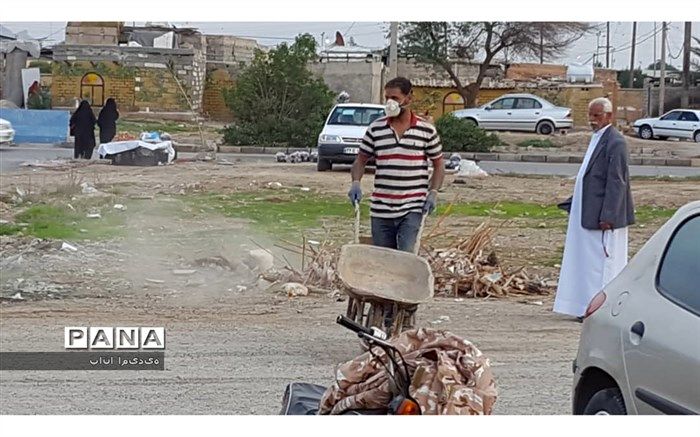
<point x="151" y="68"/>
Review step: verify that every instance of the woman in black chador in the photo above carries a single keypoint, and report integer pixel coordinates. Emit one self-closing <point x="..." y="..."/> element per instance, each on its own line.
<point x="82" y="127"/>
<point x="107" y="121"/>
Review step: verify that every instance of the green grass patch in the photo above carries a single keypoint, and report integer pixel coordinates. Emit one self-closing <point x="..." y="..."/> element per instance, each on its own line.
<point x="60" y="222"/>
<point x="280" y="212"/>
<point x="646" y="213"/>
<point x="289" y="212"/>
<point x="536" y="143"/>
<point x="504" y="210"/>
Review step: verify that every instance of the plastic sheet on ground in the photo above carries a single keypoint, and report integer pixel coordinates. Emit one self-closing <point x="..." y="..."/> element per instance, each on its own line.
<point x="469" y="168"/>
<point x="116" y="147"/>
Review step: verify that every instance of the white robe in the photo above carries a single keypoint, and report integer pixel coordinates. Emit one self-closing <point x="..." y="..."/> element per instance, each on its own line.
<point x="585" y="268"/>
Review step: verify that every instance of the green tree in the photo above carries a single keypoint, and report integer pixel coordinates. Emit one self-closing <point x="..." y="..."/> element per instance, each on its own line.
<point x="461" y="135"/>
<point x="277" y="100"/>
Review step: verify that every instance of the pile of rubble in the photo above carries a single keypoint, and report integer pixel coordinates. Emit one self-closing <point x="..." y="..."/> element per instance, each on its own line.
<point x="298" y="156"/>
<point x="469" y="268"/>
<point x="318" y="273"/>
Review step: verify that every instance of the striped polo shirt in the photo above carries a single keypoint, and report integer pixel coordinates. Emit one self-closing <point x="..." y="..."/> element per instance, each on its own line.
<point x="401" y="178"/>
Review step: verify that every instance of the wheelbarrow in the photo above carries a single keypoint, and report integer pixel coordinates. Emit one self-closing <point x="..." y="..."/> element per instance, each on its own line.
<point x="384" y="286"/>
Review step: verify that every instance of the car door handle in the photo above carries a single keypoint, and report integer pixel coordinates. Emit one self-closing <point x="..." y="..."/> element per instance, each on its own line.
<point x="537" y="113"/>
<point x="510" y="113"/>
<point x="638" y="328"/>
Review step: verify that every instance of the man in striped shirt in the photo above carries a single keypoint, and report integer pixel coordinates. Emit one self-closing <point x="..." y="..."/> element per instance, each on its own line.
<point x="401" y="145"/>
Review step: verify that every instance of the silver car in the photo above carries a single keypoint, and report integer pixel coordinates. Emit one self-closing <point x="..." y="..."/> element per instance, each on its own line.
<point x="521" y="112"/>
<point x="639" y="351"/>
<point x="679" y="123"/>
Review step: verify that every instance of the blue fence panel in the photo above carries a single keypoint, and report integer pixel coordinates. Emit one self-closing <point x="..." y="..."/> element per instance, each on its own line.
<point x="38" y="125"/>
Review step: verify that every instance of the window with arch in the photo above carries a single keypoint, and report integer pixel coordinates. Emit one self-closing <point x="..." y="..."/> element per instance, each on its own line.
<point x="452" y="102"/>
<point x="92" y="89"/>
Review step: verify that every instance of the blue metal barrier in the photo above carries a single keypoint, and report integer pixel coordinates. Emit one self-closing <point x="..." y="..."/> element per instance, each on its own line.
<point x="38" y="125"/>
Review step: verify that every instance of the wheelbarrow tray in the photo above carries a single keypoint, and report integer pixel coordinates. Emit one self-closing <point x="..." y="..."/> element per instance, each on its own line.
<point x="386" y="274"/>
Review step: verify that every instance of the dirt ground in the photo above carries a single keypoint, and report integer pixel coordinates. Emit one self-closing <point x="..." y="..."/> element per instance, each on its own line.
<point x="233" y="345"/>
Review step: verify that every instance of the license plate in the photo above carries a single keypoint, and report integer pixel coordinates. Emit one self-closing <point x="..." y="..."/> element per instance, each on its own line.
<point x="351" y="150"/>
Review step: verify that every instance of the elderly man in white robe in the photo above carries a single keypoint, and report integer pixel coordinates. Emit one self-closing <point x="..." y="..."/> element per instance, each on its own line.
<point x="600" y="211"/>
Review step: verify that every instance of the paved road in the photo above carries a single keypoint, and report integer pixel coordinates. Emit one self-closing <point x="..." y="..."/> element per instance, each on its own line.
<point x="12" y="157"/>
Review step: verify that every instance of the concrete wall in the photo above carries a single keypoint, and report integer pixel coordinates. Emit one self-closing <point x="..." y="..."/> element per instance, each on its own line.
<point x="228" y="49"/>
<point x="93" y="33"/>
<point x="362" y="80"/>
<point x="428" y="75"/>
<point x="672" y="99"/>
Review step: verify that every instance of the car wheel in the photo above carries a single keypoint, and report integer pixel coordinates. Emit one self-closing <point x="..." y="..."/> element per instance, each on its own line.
<point x="646" y="133"/>
<point x="324" y="165"/>
<point x="545" y="128"/>
<point x="471" y="121"/>
<point x="696" y="137"/>
<point x="606" y="402"/>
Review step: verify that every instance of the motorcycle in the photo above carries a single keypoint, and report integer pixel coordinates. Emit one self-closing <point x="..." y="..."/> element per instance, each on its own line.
<point x="305" y="398"/>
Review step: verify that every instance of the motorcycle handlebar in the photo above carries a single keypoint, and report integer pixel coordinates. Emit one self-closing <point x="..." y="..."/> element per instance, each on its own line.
<point x="352" y="325"/>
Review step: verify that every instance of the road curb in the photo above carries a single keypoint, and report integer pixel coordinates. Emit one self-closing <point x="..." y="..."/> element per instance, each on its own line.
<point x="505" y="157"/>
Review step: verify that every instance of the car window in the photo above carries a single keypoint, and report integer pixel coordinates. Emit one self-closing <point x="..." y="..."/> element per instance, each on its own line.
<point x="355" y="116"/>
<point x="679" y="274"/>
<point x="503" y="103"/>
<point x="527" y="104"/>
<point x="672" y="116"/>
<point x="688" y="116"/>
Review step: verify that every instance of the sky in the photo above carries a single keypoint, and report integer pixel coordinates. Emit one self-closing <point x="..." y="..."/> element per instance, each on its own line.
<point x="373" y="34"/>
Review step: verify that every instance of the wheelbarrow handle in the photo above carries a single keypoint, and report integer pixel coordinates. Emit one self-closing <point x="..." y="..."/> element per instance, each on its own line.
<point x="357" y="222"/>
<point x="416" y="247"/>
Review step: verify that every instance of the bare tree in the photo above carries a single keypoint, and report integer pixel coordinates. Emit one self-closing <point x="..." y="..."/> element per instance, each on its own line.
<point x="443" y="43"/>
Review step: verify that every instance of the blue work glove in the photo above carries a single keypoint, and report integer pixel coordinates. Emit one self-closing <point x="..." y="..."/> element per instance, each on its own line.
<point x="430" y="202"/>
<point x="355" y="193"/>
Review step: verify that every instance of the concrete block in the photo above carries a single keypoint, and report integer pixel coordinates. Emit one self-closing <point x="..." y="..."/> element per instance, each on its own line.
<point x="695" y="162"/>
<point x="558" y="158"/>
<point x="273" y="150"/>
<point x="186" y="148"/>
<point x="534" y="158"/>
<point x="486" y="156"/>
<point x="229" y="149"/>
<point x="654" y="161"/>
<point x="678" y="162"/>
<point x="252" y="149"/>
<point x="575" y="159"/>
<point x="509" y="157"/>
<point x="635" y="160"/>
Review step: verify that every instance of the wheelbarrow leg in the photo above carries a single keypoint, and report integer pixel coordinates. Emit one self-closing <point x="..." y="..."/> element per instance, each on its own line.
<point x="352" y="309"/>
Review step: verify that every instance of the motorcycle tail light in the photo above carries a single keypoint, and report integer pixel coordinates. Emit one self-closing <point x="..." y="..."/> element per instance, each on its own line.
<point x="408" y="408"/>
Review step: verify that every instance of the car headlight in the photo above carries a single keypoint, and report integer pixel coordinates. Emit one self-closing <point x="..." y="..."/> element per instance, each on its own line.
<point x="330" y="138"/>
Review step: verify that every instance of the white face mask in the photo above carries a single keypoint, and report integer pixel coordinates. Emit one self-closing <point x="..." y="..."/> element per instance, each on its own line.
<point x="392" y="108"/>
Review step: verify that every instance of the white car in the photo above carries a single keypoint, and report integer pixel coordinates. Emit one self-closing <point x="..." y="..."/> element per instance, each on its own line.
<point x="521" y="112"/>
<point x="639" y="351"/>
<point x="7" y="134"/>
<point x="679" y="123"/>
<point x="339" y="141"/>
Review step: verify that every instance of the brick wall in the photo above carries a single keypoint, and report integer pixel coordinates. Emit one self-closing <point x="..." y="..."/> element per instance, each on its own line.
<point x="430" y="99"/>
<point x="134" y="88"/>
<point x="213" y="102"/>
<point x="140" y="77"/>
